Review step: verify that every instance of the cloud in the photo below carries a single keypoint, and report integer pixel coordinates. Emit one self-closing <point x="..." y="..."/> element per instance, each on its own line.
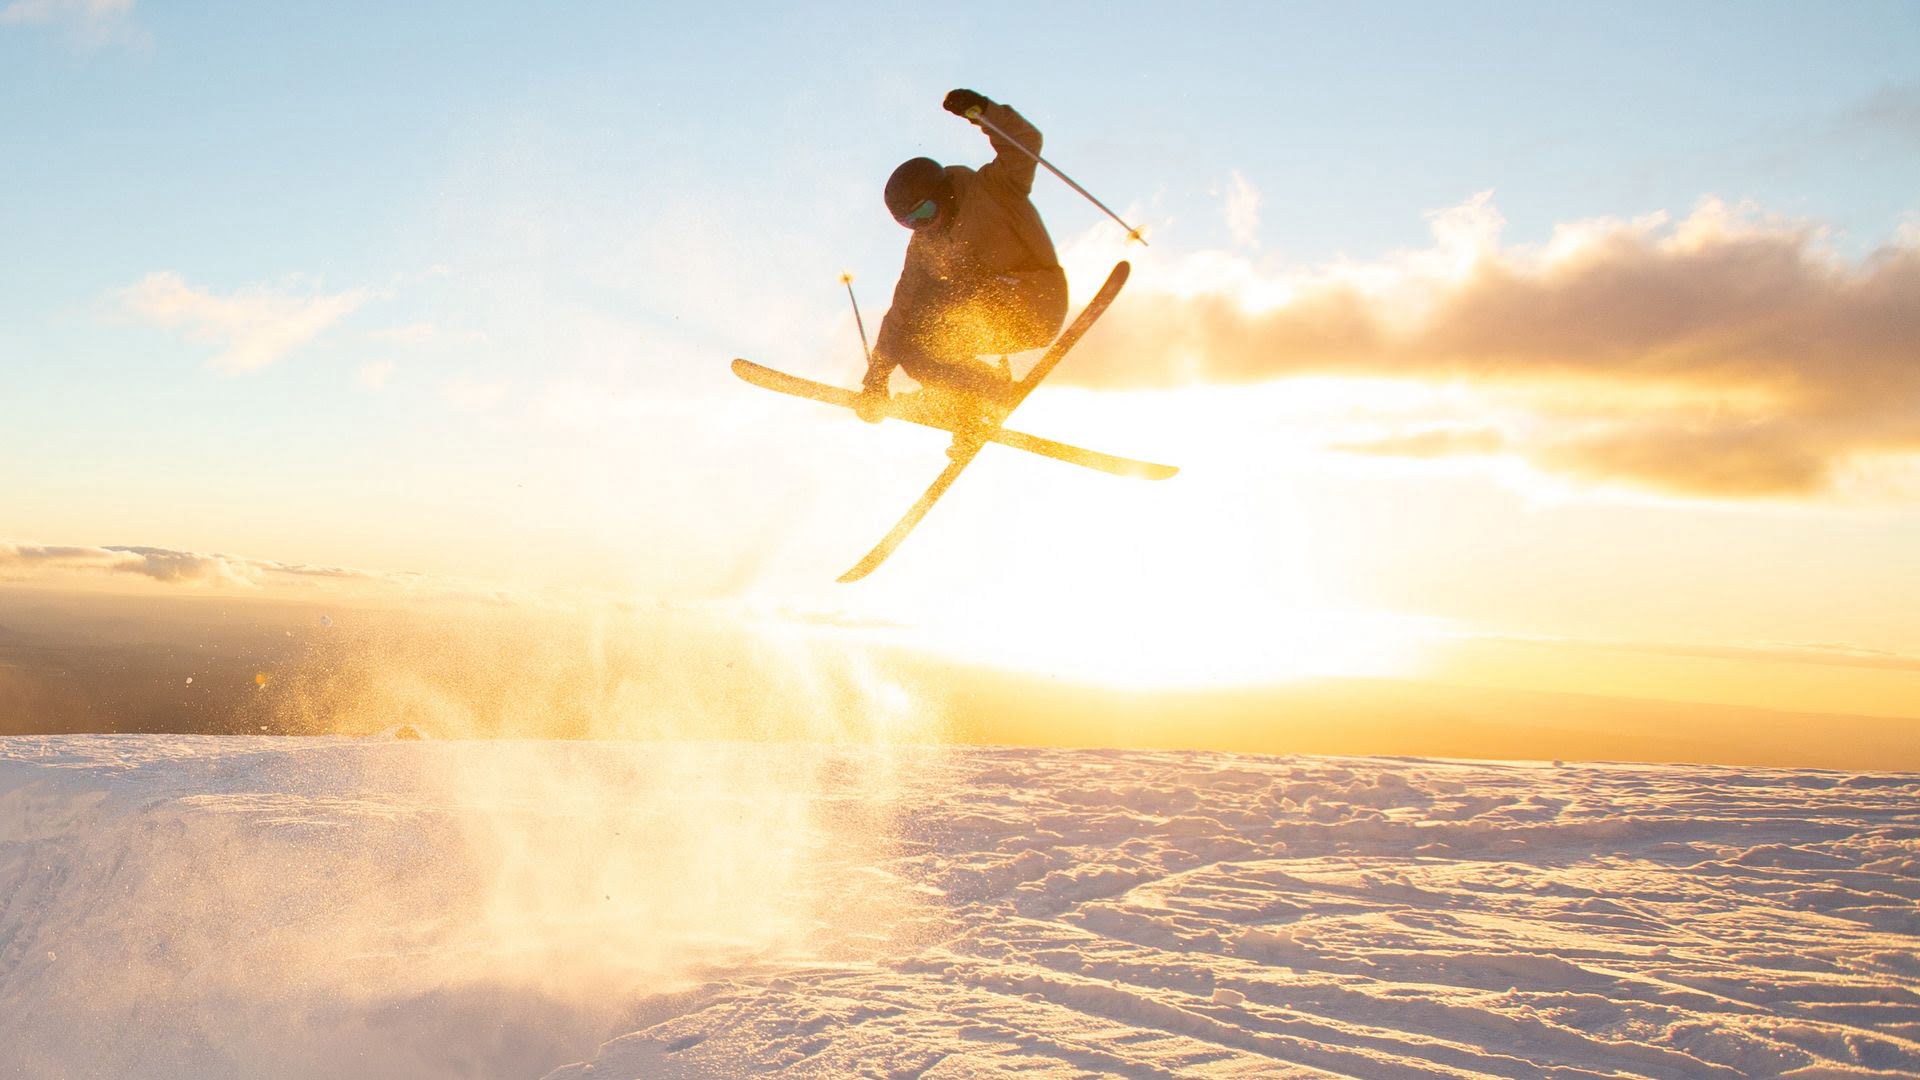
<point x="252" y="327"/>
<point x="1243" y="212"/>
<point x="15" y="556"/>
<point x="1729" y="353"/>
<point x="1431" y="443"/>
<point x="1828" y="654"/>
<point x="93" y="22"/>
<point x="160" y="564"/>
<point x="1892" y="113"/>
<point x="23" y="560"/>
<point x="1728" y="459"/>
<point x="163" y="564"/>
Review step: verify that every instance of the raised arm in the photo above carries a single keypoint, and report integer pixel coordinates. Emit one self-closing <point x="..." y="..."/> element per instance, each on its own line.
<point x="1011" y="165"/>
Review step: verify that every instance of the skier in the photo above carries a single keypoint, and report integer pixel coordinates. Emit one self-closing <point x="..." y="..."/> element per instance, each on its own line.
<point x="981" y="277"/>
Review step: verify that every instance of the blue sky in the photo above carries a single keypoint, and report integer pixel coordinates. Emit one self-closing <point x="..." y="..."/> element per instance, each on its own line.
<point x="203" y="129"/>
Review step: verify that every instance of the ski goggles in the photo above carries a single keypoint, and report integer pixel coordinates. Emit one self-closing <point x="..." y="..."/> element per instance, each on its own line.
<point x="920" y="215"/>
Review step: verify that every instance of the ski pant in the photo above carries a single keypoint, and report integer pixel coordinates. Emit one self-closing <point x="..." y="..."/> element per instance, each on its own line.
<point x="940" y="342"/>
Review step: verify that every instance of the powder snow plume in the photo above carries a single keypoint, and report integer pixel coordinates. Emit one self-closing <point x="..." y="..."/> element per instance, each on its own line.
<point x="379" y="900"/>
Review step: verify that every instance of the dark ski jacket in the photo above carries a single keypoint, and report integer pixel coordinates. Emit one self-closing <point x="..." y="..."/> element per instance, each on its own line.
<point x="994" y="254"/>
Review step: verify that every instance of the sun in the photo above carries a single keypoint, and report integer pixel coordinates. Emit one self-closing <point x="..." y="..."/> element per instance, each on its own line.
<point x="1129" y="584"/>
<point x="1209" y="621"/>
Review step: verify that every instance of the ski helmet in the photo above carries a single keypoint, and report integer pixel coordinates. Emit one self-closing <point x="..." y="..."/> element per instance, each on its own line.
<point x="914" y="182"/>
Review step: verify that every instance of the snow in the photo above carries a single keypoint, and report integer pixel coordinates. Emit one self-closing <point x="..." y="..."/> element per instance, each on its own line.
<point x="176" y="906"/>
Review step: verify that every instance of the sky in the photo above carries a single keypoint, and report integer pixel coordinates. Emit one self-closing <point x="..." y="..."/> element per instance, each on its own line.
<point x="1573" y="349"/>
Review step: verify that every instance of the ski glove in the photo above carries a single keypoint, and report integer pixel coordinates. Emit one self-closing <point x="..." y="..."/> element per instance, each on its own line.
<point x="959" y="101"/>
<point x="871" y="405"/>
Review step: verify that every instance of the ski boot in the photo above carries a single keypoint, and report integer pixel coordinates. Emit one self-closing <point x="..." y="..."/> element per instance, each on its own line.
<point x="979" y="415"/>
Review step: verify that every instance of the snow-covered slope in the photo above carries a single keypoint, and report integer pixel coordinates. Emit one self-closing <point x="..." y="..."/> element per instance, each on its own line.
<point x="175" y="907"/>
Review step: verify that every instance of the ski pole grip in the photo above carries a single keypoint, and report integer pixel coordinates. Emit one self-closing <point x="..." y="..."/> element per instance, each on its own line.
<point x="974" y="114"/>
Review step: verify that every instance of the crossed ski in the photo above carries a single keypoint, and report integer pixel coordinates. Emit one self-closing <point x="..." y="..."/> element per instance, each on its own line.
<point x="968" y="442"/>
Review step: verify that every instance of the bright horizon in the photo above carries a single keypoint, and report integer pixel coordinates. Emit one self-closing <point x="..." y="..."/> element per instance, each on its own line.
<point x="1563" y="351"/>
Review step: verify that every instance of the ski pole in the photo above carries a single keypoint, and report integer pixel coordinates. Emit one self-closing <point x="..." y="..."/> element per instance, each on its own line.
<point x="846" y="278"/>
<point x="974" y="114"/>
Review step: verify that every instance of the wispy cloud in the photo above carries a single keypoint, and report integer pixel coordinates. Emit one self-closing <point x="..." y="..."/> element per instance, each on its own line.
<point x="20" y="560"/>
<point x="252" y="327"/>
<point x="94" y="23"/>
<point x="1891" y="113"/>
<point x="1435" y="442"/>
<point x="160" y="564"/>
<point x="1827" y="654"/>
<point x="1728" y="353"/>
<point x="1243" y="212"/>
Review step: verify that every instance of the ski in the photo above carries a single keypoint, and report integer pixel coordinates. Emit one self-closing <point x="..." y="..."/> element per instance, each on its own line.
<point x="967" y="446"/>
<point x="904" y="408"/>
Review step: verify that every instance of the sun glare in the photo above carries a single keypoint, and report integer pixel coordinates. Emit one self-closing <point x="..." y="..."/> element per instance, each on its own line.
<point x="1129" y="584"/>
<point x="1167" y="642"/>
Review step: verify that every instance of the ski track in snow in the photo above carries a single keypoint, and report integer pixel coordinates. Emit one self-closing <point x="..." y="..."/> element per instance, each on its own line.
<point x="180" y="906"/>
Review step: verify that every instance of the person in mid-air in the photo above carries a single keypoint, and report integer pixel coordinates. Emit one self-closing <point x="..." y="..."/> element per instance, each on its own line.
<point x="981" y="277"/>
